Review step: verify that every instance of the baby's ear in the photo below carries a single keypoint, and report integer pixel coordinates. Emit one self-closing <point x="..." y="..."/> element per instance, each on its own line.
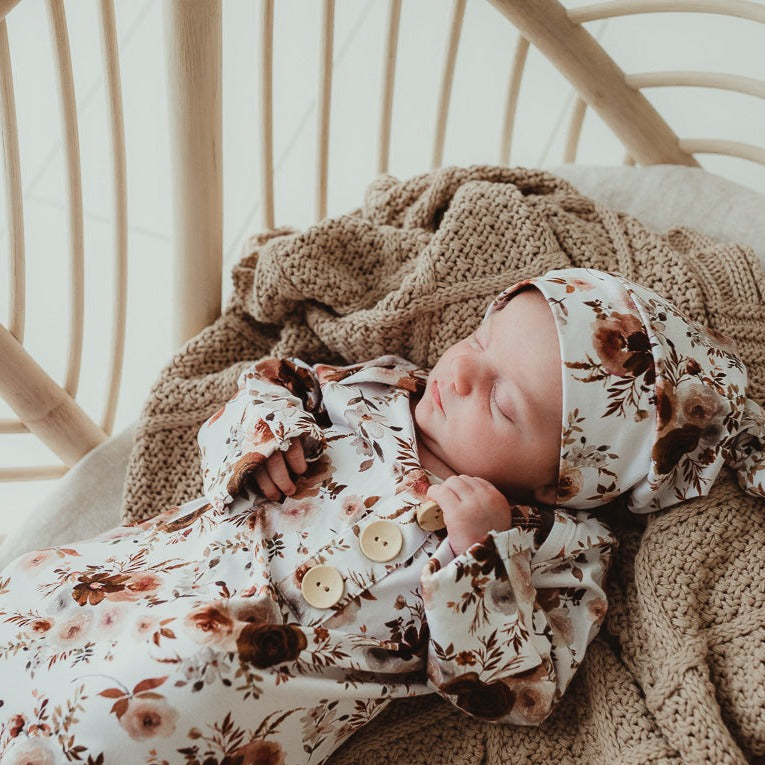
<point x="546" y="494"/>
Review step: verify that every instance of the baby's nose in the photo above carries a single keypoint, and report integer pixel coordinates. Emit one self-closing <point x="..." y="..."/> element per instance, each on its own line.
<point x="465" y="375"/>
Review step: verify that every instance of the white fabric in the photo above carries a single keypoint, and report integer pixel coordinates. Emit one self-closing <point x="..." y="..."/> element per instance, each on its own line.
<point x="666" y="196"/>
<point x="86" y="501"/>
<point x="661" y="196"/>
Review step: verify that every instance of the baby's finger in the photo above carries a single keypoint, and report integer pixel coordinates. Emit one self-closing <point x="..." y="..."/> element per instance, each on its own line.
<point x="295" y="457"/>
<point x="444" y="495"/>
<point x="266" y="485"/>
<point x="277" y="472"/>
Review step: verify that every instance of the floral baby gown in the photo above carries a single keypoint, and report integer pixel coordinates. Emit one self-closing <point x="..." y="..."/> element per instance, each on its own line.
<point x="240" y="630"/>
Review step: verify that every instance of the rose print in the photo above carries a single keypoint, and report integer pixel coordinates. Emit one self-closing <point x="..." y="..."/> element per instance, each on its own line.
<point x="94" y="588"/>
<point x="264" y="645"/>
<point x="32" y="751"/>
<point x="73" y="631"/>
<point x="259" y="752"/>
<point x="209" y="625"/>
<point x="143" y="712"/>
<point x="570" y="483"/>
<point x="669" y="449"/>
<point x="621" y="342"/>
<point x="148" y="718"/>
<point x="489" y="701"/>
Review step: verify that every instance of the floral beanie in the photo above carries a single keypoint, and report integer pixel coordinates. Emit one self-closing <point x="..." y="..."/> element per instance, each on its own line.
<point x="653" y="403"/>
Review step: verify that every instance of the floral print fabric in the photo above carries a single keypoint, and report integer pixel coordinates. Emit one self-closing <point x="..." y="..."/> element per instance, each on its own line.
<point x="653" y="403"/>
<point x="186" y="639"/>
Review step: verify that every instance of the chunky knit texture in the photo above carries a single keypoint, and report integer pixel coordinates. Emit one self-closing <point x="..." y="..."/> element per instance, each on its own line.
<point x="678" y="672"/>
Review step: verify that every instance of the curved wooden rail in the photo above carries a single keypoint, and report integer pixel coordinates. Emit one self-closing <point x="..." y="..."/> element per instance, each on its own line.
<point x="599" y="81"/>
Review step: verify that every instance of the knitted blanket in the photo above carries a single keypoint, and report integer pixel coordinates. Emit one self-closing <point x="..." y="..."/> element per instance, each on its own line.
<point x="678" y="671"/>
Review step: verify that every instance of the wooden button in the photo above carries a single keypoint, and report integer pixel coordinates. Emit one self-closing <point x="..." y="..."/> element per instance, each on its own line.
<point x="430" y="516"/>
<point x="381" y="541"/>
<point x="322" y="586"/>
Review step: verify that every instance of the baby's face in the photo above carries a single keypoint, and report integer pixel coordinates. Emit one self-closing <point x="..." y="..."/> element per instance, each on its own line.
<point x="493" y="402"/>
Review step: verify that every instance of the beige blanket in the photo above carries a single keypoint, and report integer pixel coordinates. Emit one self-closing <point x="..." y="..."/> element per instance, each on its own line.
<point x="678" y="672"/>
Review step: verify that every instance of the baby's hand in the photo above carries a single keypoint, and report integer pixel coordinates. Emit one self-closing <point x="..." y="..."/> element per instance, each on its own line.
<point x="472" y="507"/>
<point x="273" y="477"/>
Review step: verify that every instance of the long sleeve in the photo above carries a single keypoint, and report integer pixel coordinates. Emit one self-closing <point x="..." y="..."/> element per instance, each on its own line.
<point x="511" y="617"/>
<point x="277" y="400"/>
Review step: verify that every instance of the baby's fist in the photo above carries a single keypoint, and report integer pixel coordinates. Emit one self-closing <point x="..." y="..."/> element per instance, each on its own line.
<point x="472" y="507"/>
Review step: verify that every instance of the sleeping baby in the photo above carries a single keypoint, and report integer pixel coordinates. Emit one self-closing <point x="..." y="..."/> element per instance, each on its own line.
<point x="371" y="532"/>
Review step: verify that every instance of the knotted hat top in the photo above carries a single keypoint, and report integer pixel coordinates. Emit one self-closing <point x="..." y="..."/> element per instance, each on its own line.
<point x="654" y="403"/>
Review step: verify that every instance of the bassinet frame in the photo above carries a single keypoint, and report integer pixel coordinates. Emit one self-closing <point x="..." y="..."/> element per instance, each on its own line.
<point x="50" y="409"/>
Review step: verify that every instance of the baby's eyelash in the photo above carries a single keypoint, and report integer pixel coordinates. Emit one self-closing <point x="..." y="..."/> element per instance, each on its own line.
<point x="493" y="396"/>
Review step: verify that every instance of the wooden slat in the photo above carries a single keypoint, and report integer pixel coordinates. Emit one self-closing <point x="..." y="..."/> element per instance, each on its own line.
<point x="511" y="106"/>
<point x="596" y="77"/>
<point x="36" y="473"/>
<point x="194" y="64"/>
<point x="722" y="81"/>
<point x="267" y="112"/>
<point x="720" y="146"/>
<point x="47" y="409"/>
<point x="455" y="31"/>
<point x="325" y="104"/>
<point x="14" y="197"/>
<point x="6" y="6"/>
<point x="743" y="9"/>
<point x="389" y="76"/>
<point x="119" y="177"/>
<point x="68" y="106"/>
<point x="574" y="130"/>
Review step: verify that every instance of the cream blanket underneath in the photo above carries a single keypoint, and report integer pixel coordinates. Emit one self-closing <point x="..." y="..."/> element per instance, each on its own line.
<point x="678" y="673"/>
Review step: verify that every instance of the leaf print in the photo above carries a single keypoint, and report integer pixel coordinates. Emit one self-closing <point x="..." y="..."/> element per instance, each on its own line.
<point x="113" y="693"/>
<point x="149" y="684"/>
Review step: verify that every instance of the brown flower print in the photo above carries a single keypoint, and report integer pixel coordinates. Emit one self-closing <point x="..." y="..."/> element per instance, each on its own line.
<point x="666" y="403"/>
<point x="94" y="588"/>
<point x="71" y="631"/>
<point x="33" y="751"/>
<point x="570" y="483"/>
<point x="722" y="341"/>
<point x="353" y="507"/>
<point x="41" y="626"/>
<point x="669" y="449"/>
<point x="534" y="694"/>
<point x="415" y="481"/>
<point x="701" y="406"/>
<point x="501" y="596"/>
<point x="623" y="347"/>
<point x="148" y="718"/>
<point x="264" y="645"/>
<point x="259" y="752"/>
<point x="255" y="610"/>
<point x="597" y="609"/>
<point x="284" y="373"/>
<point x="135" y="586"/>
<point x="16" y="725"/>
<point x="489" y="701"/>
<point x="209" y="625"/>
